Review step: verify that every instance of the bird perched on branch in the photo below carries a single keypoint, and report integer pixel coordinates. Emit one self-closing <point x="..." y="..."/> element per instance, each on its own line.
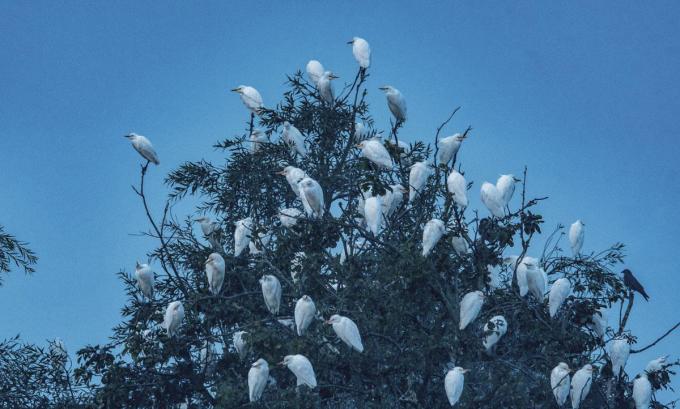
<point x="214" y="270"/>
<point x="631" y="282"/>
<point x="453" y="384"/>
<point x="361" y="51"/>
<point x="311" y="195"/>
<point x="293" y="176"/>
<point x="580" y="385"/>
<point x="305" y="310"/>
<point x="506" y="188"/>
<point x="325" y="87"/>
<point x="448" y="147"/>
<point x="174" y="315"/>
<point x="417" y="178"/>
<point x="250" y="97"/>
<point x="257" y="379"/>
<point x="300" y="366"/>
<point x="576" y="234"/>
<point x="144" y="147"/>
<point x="396" y="102"/>
<point x="559" y="382"/>
<point x="375" y="151"/>
<point x="145" y="279"/>
<point x="294" y="139"/>
<point x="432" y="232"/>
<point x="314" y="71"/>
<point x="347" y="331"/>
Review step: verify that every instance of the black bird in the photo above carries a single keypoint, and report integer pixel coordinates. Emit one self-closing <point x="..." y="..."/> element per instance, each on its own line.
<point x="631" y="282"/>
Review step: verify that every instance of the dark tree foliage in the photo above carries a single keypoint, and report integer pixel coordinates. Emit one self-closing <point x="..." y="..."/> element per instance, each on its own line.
<point x="15" y="252"/>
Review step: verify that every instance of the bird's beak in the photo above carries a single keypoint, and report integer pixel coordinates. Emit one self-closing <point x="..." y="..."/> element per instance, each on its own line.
<point x="328" y="322"/>
<point x="383" y="88"/>
<point x="357" y="146"/>
<point x="350" y="42"/>
<point x="517" y="180"/>
<point x="281" y="363"/>
<point x="235" y="90"/>
<point x="333" y="76"/>
<point x="465" y="370"/>
<point x="281" y="172"/>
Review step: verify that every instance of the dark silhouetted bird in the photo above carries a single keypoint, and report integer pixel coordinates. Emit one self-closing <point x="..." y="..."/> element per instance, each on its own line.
<point x="631" y="282"/>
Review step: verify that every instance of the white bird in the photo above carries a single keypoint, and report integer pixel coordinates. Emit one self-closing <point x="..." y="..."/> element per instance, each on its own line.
<point x="360" y="131"/>
<point x="305" y="310"/>
<point x="296" y="265"/>
<point x="494" y="330"/>
<point x="314" y="71"/>
<point x="250" y="97"/>
<point x="290" y="216"/>
<point x="293" y="177"/>
<point x="144" y="147"/>
<point x="361" y="51"/>
<point x="311" y="195"/>
<point x="642" y="391"/>
<point x="257" y="137"/>
<point x="457" y="186"/>
<point x="492" y="199"/>
<point x="656" y="364"/>
<point x="392" y="199"/>
<point x="396" y="102"/>
<point x="145" y="279"/>
<point x="294" y="139"/>
<point x="453" y="384"/>
<point x="599" y="322"/>
<point x="521" y="272"/>
<point x="174" y="315"/>
<point x="257" y="379"/>
<point x="271" y="291"/>
<point x="537" y="280"/>
<point x="619" y="350"/>
<point x="375" y="151"/>
<point x="240" y="344"/>
<point x="347" y="331"/>
<point x="242" y="235"/>
<point x="470" y="306"/>
<point x="580" y="385"/>
<point x="432" y="232"/>
<point x="325" y="87"/>
<point x="417" y="179"/>
<point x="263" y="239"/>
<point x="559" y="292"/>
<point x="214" y="269"/>
<point x="448" y="147"/>
<point x="460" y="245"/>
<point x="300" y="366"/>
<point x="373" y="210"/>
<point x="209" y="229"/>
<point x="559" y="382"/>
<point x="506" y="187"/>
<point x="576" y="234"/>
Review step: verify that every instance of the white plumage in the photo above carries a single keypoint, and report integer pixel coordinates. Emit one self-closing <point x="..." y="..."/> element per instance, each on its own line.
<point x="240" y="344"/>
<point x="305" y="310"/>
<point x="375" y="151"/>
<point x="521" y="272"/>
<point x="293" y="177"/>
<point x="492" y="199"/>
<point x="242" y="235"/>
<point x="396" y="102"/>
<point x="576" y="235"/>
<point x="311" y="195"/>
<point x="271" y="291"/>
<point x="214" y="269"/>
<point x="460" y="245"/>
<point x="619" y="350"/>
<point x="506" y="187"/>
<point x="457" y="186"/>
<point x="537" y="281"/>
<point x="144" y="147"/>
<point x="300" y="366"/>
<point x="290" y="216"/>
<point x="642" y="392"/>
<point x="580" y="385"/>
<point x="174" y="315"/>
<point x="453" y="384"/>
<point x="257" y="379"/>
<point x="294" y="139"/>
<point x="599" y="325"/>
<point x="417" y="179"/>
<point x="314" y="71"/>
<point x="325" y="87"/>
<point x="432" y="232"/>
<point x="145" y="279"/>
<point x="494" y="330"/>
<point x="559" y="292"/>
<point x="559" y="382"/>
<point x="250" y="97"/>
<point x="209" y="229"/>
<point x="373" y="214"/>
<point x="347" y="331"/>
<point x="362" y="51"/>
<point x="257" y="137"/>
<point x="656" y="364"/>
<point x="470" y="306"/>
<point x="391" y="200"/>
<point x="448" y="147"/>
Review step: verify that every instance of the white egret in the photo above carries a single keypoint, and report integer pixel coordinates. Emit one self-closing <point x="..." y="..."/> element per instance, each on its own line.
<point x="432" y="232"/>
<point x="250" y="97"/>
<point x="460" y="245"/>
<point x="314" y="71"/>
<point x="305" y="310"/>
<point x="257" y="137"/>
<point x="209" y="229"/>
<point x="362" y="51"/>
<point x="257" y="379"/>
<point x="537" y="280"/>
<point x="457" y="186"/>
<point x="656" y="364"/>
<point x="453" y="384"/>
<point x="293" y="176"/>
<point x="214" y="269"/>
<point x="271" y="291"/>
<point x="174" y="315"/>
<point x="396" y="102"/>
<point x="240" y="343"/>
<point x="448" y="147"/>
<point x="506" y="187"/>
<point x="521" y="271"/>
<point x="144" y="147"/>
<point x="599" y="322"/>
<point x="145" y="279"/>
<point x="375" y="151"/>
<point x="392" y="199"/>
<point x="619" y="350"/>
<point x="576" y="234"/>
<point x="347" y="331"/>
<point x="360" y="131"/>
<point x="417" y="178"/>
<point x="294" y="139"/>
<point x="255" y="246"/>
<point x="373" y="214"/>
<point x="470" y="306"/>
<point x="300" y="366"/>
<point x="559" y="382"/>
<point x="290" y="216"/>
<point x="325" y="87"/>
<point x="312" y="197"/>
<point x="559" y="291"/>
<point x="242" y="235"/>
<point x="642" y="391"/>
<point x="580" y="385"/>
<point x="494" y="330"/>
<point x="492" y="199"/>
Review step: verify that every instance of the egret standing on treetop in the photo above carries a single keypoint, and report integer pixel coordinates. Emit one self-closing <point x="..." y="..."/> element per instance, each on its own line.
<point x="631" y="282"/>
<point x="174" y="315"/>
<point x="599" y="322"/>
<point x="656" y="364"/>
<point x="361" y="51"/>
<point x="305" y="310"/>
<point x="453" y="384"/>
<point x="417" y="179"/>
<point x="145" y="279"/>
<point x="457" y="186"/>
<point x="311" y="195"/>
<point x="391" y="200"/>
<point x="460" y="245"/>
<point x="257" y="379"/>
<point x="271" y="291"/>
<point x="293" y="177"/>
<point x="492" y="199"/>
<point x="470" y="306"/>
<point x="325" y="87"/>
<point x="240" y="344"/>
<point x="289" y="217"/>
<point x="396" y="103"/>
<point x="559" y="382"/>
<point x="300" y="366"/>
<point x="494" y="330"/>
<point x="144" y="147"/>
<point x="448" y="147"/>
<point x="559" y="292"/>
<point x="242" y="235"/>
<point x="292" y="136"/>
<point x="347" y="331"/>
<point x="373" y="214"/>
<point x="506" y="187"/>
<point x="580" y="385"/>
<point x="375" y="151"/>
<point x="576" y="233"/>
<point x="619" y="350"/>
<point x="250" y="97"/>
<point x="432" y="232"/>
<point x="314" y="71"/>
<point x="214" y="269"/>
<point x="209" y="229"/>
<point x="642" y="391"/>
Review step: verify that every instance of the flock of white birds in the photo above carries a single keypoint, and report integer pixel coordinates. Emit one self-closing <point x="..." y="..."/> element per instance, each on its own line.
<point x="531" y="277"/>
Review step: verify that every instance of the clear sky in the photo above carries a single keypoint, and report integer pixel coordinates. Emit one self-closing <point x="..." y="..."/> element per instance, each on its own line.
<point x="586" y="94"/>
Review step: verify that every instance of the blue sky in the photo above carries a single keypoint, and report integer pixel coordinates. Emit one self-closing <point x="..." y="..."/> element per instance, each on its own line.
<point x="585" y="94"/>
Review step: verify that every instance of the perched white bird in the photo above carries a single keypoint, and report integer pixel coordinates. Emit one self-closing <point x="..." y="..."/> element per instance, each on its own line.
<point x="257" y="379"/>
<point x="580" y="385"/>
<point x="521" y="272"/>
<point x="494" y="330"/>
<point x="145" y="279"/>
<point x="375" y="151"/>
<point x="293" y="138"/>
<point x="642" y="391"/>
<point x="492" y="199"/>
<point x="506" y="187"/>
<point x="257" y="137"/>
<point x="250" y="97"/>
<point x="417" y="179"/>
<point x="457" y="186"/>
<point x="293" y="177"/>
<point x="448" y="147"/>
<point x="537" y="280"/>
<point x="559" y="292"/>
<point x="619" y="350"/>
<point x="271" y="291"/>
<point x="559" y="382"/>
<point x="240" y="344"/>
<point x="314" y="71"/>
<point x="255" y="246"/>
<point x="209" y="229"/>
<point x="242" y="235"/>
<point x="460" y="245"/>
<point x="305" y="310"/>
<point x="470" y="306"/>
<point x="174" y="315"/>
<point x="576" y="233"/>
<point x="599" y="322"/>
<point x="453" y="384"/>
<point x="361" y="51"/>
<point x="347" y="331"/>
<point x="360" y="131"/>
<point x="392" y="199"/>
<point x="296" y="265"/>
<point x="300" y="366"/>
<point x="144" y="147"/>
<point x="432" y="232"/>
<point x="311" y="195"/>
<point x="214" y="269"/>
<point x="396" y="102"/>
<point x="656" y="364"/>
<point x="325" y="87"/>
<point x="373" y="210"/>
<point x="290" y="216"/>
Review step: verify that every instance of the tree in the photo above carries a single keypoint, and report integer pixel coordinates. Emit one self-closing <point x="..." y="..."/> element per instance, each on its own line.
<point x="15" y="252"/>
<point x="406" y="305"/>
